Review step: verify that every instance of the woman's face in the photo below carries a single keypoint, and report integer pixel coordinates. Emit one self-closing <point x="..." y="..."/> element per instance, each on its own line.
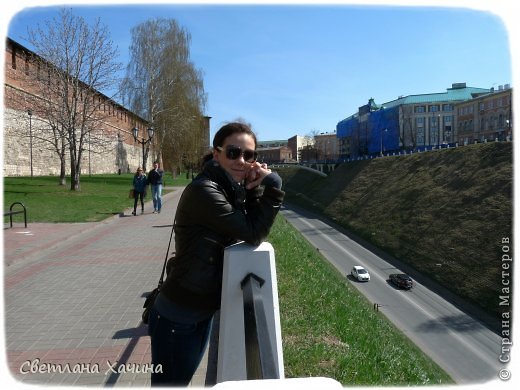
<point x="238" y="168"/>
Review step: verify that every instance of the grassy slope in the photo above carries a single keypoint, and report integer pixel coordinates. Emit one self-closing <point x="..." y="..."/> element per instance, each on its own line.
<point x="330" y="330"/>
<point x="444" y="213"/>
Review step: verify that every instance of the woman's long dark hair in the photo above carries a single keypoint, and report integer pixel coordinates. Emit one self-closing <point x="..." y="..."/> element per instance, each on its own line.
<point x="226" y="131"/>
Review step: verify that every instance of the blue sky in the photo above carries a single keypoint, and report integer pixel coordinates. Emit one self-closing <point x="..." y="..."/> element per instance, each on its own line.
<point x="301" y="68"/>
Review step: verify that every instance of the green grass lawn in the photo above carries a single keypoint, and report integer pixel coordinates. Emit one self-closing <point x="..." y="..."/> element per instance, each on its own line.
<point x="329" y="329"/>
<point x="100" y="197"/>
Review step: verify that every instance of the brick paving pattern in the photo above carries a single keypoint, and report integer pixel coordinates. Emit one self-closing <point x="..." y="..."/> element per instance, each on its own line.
<point x="73" y="298"/>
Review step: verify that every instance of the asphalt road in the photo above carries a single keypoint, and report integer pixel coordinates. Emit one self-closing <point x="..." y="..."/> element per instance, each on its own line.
<point x="467" y="350"/>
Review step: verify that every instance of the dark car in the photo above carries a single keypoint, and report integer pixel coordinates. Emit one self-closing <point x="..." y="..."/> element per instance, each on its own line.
<point x="402" y="281"/>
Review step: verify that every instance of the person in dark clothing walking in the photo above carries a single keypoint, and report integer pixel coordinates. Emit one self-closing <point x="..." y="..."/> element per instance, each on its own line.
<point x="139" y="184"/>
<point x="233" y="199"/>
<point x="155" y="178"/>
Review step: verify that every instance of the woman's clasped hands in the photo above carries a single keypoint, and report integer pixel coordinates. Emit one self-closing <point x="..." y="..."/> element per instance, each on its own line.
<point x="257" y="172"/>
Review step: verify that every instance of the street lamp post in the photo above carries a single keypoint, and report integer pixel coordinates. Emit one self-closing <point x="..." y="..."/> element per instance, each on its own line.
<point x="29" y="112"/>
<point x="135" y="132"/>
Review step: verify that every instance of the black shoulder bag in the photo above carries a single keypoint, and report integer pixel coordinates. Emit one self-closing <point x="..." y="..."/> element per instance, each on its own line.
<point x="150" y="299"/>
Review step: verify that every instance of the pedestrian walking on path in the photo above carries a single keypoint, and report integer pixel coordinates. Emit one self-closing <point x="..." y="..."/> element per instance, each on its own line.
<point x="139" y="185"/>
<point x="155" y="178"/>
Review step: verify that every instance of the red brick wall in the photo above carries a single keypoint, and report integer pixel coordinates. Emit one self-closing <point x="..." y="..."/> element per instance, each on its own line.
<point x="20" y="95"/>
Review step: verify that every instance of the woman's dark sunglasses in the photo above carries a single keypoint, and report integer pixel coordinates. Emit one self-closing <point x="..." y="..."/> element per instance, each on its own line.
<point x="233" y="152"/>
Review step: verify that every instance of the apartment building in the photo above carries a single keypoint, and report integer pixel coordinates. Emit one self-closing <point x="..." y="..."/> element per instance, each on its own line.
<point x="425" y="121"/>
<point x="486" y="117"/>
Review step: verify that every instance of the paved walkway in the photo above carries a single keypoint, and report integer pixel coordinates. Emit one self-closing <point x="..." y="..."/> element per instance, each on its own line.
<point x="73" y="298"/>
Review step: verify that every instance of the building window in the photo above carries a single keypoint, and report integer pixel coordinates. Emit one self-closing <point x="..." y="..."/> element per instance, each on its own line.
<point x="434" y="137"/>
<point x="447" y="107"/>
<point x="492" y="121"/>
<point x="434" y="108"/>
<point x="420" y="136"/>
<point x="419" y="109"/>
<point x="466" y="110"/>
<point x="447" y="134"/>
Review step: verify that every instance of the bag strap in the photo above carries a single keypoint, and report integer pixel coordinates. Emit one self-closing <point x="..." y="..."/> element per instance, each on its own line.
<point x="166" y="257"/>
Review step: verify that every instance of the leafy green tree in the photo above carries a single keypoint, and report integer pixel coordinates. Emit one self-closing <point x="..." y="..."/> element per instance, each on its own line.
<point x="163" y="86"/>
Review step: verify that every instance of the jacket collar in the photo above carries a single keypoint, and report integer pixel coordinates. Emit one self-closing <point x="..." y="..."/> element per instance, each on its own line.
<point x="235" y="192"/>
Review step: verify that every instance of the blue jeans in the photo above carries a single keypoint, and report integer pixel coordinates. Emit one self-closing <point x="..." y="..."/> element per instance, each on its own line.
<point x="177" y="347"/>
<point x="157" y="196"/>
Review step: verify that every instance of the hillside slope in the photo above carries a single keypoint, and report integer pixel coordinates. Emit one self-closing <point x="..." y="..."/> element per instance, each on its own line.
<point x="445" y="212"/>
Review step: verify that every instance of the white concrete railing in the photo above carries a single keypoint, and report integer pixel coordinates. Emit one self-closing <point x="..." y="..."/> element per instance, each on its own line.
<point x="240" y="261"/>
<point x="247" y="268"/>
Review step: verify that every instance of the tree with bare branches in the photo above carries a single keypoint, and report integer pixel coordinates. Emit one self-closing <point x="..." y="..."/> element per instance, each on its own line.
<point x="74" y="62"/>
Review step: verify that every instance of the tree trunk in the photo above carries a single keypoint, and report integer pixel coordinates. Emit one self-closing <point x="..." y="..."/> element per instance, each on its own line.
<point x="74" y="175"/>
<point x="74" y="182"/>
<point x="63" y="179"/>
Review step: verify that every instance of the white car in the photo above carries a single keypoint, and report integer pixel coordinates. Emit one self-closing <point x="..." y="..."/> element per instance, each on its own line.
<point x="360" y="273"/>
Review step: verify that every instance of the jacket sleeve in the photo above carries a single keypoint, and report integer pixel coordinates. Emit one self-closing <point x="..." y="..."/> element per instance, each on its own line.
<point x="210" y="208"/>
